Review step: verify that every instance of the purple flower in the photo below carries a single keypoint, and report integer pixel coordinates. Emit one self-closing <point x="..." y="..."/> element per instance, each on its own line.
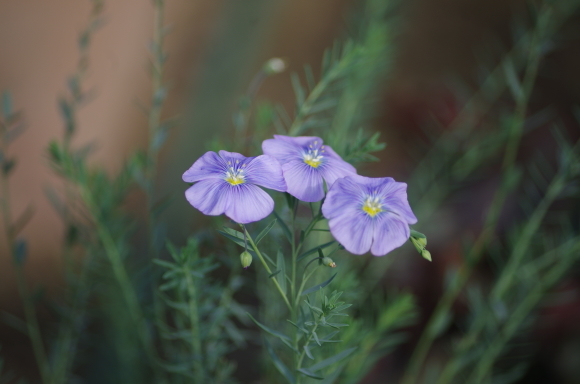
<point x="369" y="214"/>
<point x="228" y="184"/>
<point x="306" y="162"/>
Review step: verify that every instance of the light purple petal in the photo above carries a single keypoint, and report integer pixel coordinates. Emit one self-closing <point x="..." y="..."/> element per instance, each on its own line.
<point x="210" y="196"/>
<point x="354" y="232"/>
<point x="282" y="150"/>
<point x="248" y="204"/>
<point x="299" y="141"/>
<point x="232" y="156"/>
<point x="343" y="198"/>
<point x="334" y="169"/>
<point x="303" y="182"/>
<point x="328" y="151"/>
<point x="395" y="199"/>
<point x="390" y="232"/>
<point x="266" y="171"/>
<point x="208" y="166"/>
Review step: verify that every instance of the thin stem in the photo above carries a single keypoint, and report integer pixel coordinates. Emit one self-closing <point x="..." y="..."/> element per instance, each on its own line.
<point x="259" y="254"/>
<point x="127" y="290"/>
<point x="28" y="305"/>
<point x="301" y="357"/>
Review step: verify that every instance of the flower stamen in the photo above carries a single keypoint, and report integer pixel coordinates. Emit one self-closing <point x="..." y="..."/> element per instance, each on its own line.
<point x="235" y="176"/>
<point x="372" y="206"/>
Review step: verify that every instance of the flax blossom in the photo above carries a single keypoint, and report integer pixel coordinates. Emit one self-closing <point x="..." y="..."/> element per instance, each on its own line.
<point x="307" y="163"/>
<point x="369" y="214"/>
<point x="228" y="183"/>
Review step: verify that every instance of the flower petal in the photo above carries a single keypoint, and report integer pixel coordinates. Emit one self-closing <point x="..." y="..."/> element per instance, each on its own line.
<point x="390" y="232"/>
<point x="248" y="204"/>
<point x="343" y="198"/>
<point x="208" y="166"/>
<point x="354" y="232"/>
<point x="266" y="171"/>
<point x="395" y="199"/>
<point x="333" y="169"/>
<point x="303" y="181"/>
<point x="299" y="141"/>
<point x="210" y="196"/>
<point x="282" y="150"/>
<point x="232" y="156"/>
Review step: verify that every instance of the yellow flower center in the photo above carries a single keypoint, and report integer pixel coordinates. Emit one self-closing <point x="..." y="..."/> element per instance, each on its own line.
<point x="235" y="176"/>
<point x="372" y="206"/>
<point x="314" y="156"/>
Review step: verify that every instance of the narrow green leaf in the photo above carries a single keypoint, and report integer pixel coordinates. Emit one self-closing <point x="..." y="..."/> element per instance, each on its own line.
<point x="272" y="332"/>
<point x="316" y="338"/>
<point x="285" y="228"/>
<point x="298" y="89"/>
<point x="331" y="360"/>
<point x="297" y="326"/>
<point x="318" y="287"/>
<point x="282" y="368"/>
<point x="306" y="372"/>
<point x="281" y="265"/>
<point x="308" y="353"/>
<point x="264" y="232"/>
<point x="164" y="263"/>
<point x="315" y="249"/>
<point x="274" y="273"/>
<point x="233" y="238"/>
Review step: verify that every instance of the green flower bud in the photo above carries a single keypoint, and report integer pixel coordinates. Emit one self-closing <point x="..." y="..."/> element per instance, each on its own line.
<point x="426" y="254"/>
<point x="246" y="259"/>
<point x="328" y="262"/>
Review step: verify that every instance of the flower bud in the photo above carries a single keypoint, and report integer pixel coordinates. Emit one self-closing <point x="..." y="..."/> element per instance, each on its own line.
<point x="328" y="262"/>
<point x="246" y="259"/>
<point x="426" y="254"/>
<point x="275" y="65"/>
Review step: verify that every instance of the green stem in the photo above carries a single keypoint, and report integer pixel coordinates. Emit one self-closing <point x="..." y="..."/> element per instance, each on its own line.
<point x="301" y="357"/>
<point x="263" y="261"/>
<point x="30" y="315"/>
<point x="121" y="276"/>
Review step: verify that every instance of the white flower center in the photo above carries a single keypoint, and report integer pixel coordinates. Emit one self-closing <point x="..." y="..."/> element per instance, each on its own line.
<point x="235" y="175"/>
<point x="313" y="156"/>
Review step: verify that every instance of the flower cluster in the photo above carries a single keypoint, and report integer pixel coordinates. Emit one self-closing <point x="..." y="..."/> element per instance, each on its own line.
<point x="363" y="213"/>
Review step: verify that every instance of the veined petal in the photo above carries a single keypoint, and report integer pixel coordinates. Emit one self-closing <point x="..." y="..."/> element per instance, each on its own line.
<point x="390" y="232"/>
<point x="266" y="171"/>
<point x="303" y="182"/>
<point x="299" y="141"/>
<point x="335" y="168"/>
<point x="282" y="150"/>
<point x="208" y="166"/>
<point x="232" y="156"/>
<point x="210" y="196"/>
<point x="344" y="197"/>
<point x="354" y="232"/>
<point x="395" y="199"/>
<point x="248" y="204"/>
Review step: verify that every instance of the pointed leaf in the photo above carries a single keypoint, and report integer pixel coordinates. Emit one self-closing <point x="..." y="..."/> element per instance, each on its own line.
<point x="281" y="265"/>
<point x="315" y="249"/>
<point x="282" y="368"/>
<point x="285" y="228"/>
<point x="269" y="330"/>
<point x="264" y="232"/>
<point x="318" y="287"/>
<point x="331" y="360"/>
<point x="236" y="239"/>
<point x="306" y="372"/>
